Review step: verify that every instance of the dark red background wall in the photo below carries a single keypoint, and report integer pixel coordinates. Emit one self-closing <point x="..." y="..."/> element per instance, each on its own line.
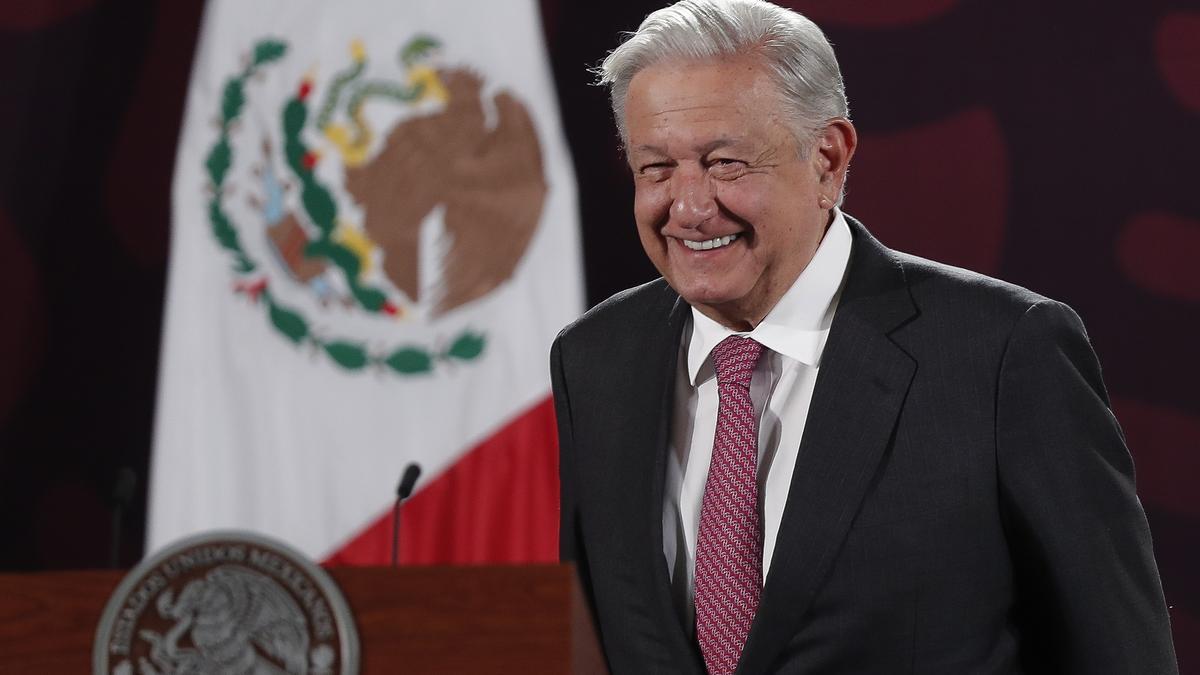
<point x="1055" y="145"/>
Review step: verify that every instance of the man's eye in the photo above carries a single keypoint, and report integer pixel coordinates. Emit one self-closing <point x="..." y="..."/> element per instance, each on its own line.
<point x="725" y="167"/>
<point x="658" y="171"/>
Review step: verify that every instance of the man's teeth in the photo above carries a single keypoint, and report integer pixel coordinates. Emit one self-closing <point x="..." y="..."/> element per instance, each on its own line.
<point x="710" y="244"/>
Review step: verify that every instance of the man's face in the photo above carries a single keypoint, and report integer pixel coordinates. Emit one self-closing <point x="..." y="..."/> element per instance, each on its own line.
<point x="727" y="209"/>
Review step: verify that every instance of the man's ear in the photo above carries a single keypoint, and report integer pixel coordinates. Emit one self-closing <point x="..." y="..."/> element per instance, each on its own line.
<point x="835" y="146"/>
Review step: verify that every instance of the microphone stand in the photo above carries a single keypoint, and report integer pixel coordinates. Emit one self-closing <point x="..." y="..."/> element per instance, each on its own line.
<point x="411" y="473"/>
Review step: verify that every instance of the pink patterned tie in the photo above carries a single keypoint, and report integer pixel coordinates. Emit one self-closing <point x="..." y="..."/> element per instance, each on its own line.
<point x="729" y="545"/>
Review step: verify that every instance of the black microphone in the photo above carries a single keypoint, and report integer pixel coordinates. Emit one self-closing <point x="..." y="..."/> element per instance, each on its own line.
<point x="407" y="481"/>
<point x="124" y="487"/>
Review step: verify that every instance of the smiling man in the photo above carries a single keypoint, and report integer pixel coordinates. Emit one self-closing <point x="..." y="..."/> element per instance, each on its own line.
<point x="731" y="199"/>
<point x="800" y="451"/>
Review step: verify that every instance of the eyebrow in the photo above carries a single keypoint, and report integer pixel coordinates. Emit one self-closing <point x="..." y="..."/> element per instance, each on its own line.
<point x="702" y="149"/>
<point x="716" y="144"/>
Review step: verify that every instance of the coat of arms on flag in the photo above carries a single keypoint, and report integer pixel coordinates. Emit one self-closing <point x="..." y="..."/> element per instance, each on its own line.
<point x="374" y="242"/>
<point x="351" y="232"/>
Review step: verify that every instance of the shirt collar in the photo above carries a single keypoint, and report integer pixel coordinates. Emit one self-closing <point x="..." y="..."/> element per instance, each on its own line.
<point x="798" y="324"/>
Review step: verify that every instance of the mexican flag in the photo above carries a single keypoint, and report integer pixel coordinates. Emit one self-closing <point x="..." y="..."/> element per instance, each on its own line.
<point x="375" y="239"/>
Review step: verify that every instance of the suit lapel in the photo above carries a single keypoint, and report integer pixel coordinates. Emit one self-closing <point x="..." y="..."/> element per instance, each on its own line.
<point x="860" y="389"/>
<point x="685" y="651"/>
<point x="640" y="450"/>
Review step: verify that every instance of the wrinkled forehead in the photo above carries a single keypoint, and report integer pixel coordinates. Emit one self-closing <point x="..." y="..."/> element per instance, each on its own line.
<point x="701" y="103"/>
<point x="727" y="73"/>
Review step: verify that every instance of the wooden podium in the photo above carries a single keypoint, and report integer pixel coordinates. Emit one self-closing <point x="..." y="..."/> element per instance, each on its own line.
<point x="530" y="619"/>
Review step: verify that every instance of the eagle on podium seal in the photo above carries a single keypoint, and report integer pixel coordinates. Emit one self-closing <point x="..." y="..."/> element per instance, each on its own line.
<point x="233" y="603"/>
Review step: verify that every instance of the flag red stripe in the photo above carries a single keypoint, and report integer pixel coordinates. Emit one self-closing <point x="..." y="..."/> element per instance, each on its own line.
<point x="498" y="504"/>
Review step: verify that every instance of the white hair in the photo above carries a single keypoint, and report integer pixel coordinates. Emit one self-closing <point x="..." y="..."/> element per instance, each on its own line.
<point x="795" y="52"/>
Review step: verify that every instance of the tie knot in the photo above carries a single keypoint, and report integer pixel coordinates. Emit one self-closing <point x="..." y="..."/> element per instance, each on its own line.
<point x="734" y="359"/>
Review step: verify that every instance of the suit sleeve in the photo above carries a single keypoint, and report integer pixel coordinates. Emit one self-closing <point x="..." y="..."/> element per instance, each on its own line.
<point x="1089" y="598"/>
<point x="567" y="546"/>
<point x="570" y="537"/>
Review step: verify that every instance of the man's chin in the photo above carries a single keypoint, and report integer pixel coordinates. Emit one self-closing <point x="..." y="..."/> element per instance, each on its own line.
<point x="703" y="296"/>
<point x="713" y="303"/>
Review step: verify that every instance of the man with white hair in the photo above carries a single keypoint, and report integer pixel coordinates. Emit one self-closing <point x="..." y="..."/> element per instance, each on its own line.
<point x="800" y="451"/>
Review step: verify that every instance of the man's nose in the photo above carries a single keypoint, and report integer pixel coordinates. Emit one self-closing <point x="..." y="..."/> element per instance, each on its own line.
<point x="694" y="199"/>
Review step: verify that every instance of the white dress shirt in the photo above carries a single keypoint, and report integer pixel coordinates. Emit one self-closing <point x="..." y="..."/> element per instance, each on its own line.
<point x="794" y="334"/>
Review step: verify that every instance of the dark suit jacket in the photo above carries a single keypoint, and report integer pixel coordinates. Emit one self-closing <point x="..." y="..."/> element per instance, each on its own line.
<point x="963" y="501"/>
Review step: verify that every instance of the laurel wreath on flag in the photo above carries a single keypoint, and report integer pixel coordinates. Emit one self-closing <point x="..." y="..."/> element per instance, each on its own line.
<point x="321" y="209"/>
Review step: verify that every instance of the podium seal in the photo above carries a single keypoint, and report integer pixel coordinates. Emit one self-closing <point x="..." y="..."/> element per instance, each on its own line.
<point x="226" y="602"/>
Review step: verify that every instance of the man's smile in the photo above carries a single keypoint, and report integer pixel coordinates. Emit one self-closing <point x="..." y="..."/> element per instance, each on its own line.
<point x="716" y="242"/>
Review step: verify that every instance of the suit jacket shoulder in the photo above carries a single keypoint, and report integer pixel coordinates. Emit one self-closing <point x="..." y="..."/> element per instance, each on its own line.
<point x="953" y="295"/>
<point x="640" y="307"/>
<point x="969" y="313"/>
